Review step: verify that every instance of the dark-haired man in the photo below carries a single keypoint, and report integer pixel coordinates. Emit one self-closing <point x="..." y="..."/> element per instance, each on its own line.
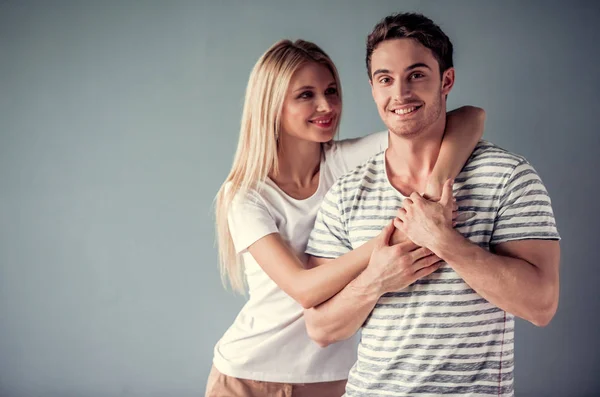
<point x="451" y="331"/>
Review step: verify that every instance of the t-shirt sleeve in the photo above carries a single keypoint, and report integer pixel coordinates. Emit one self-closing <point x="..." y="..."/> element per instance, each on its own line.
<point x="525" y="210"/>
<point x="354" y="152"/>
<point x="249" y="220"/>
<point x="329" y="237"/>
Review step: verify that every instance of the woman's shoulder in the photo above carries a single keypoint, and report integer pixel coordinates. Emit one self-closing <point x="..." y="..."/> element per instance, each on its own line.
<point x="254" y="194"/>
<point x="347" y="154"/>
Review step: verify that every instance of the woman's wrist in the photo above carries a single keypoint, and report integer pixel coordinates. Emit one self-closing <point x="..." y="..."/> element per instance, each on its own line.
<point x="435" y="183"/>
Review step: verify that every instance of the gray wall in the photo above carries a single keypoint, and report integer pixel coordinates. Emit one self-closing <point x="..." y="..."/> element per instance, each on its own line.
<point x="119" y="120"/>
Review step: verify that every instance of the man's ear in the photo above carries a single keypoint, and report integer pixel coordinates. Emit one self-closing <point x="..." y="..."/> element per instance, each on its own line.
<point x="447" y="81"/>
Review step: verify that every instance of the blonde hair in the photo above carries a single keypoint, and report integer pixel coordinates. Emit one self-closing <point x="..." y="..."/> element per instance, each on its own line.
<point x="256" y="154"/>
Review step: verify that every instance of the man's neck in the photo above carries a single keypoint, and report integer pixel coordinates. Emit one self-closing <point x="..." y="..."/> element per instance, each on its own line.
<point x="410" y="161"/>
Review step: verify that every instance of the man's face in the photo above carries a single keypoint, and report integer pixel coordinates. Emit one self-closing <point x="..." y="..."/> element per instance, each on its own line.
<point x="407" y="87"/>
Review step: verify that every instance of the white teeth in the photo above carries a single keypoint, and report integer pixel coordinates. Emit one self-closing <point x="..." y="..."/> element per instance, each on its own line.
<point x="322" y="121"/>
<point x="406" y="110"/>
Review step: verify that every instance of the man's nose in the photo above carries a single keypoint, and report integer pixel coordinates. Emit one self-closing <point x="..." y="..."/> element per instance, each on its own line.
<point x="403" y="89"/>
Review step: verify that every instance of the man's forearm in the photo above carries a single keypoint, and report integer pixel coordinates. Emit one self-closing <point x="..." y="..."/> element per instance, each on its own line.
<point x="513" y="284"/>
<point x="341" y="316"/>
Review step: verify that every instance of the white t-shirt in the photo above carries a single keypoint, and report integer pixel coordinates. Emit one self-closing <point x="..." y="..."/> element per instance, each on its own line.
<point x="268" y="340"/>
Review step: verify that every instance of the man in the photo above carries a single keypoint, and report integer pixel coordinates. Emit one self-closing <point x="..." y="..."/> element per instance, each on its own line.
<point x="446" y="328"/>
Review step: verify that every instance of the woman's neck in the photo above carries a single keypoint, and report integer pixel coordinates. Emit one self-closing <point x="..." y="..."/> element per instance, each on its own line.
<point x="299" y="164"/>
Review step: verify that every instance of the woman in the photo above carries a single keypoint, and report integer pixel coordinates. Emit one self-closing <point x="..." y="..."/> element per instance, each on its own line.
<point x="285" y="163"/>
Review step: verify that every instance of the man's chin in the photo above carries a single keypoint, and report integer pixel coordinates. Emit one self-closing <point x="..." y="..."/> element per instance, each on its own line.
<point x="406" y="133"/>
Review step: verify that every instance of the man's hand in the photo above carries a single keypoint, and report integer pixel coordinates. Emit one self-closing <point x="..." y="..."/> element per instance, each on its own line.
<point x="394" y="267"/>
<point x="422" y="220"/>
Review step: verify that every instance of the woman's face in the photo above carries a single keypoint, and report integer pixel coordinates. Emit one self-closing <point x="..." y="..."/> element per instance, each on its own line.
<point x="312" y="105"/>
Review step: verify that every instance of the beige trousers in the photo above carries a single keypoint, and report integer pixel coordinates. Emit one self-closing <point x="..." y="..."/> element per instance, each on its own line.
<point x="220" y="385"/>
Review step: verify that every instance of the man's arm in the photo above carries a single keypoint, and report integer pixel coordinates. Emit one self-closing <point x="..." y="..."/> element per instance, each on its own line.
<point x="521" y="277"/>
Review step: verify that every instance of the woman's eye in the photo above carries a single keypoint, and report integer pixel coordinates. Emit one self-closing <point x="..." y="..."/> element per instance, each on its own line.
<point x="305" y="95"/>
<point x="331" y="91"/>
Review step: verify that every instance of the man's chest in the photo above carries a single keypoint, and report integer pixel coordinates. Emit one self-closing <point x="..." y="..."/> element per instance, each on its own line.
<point x="367" y="214"/>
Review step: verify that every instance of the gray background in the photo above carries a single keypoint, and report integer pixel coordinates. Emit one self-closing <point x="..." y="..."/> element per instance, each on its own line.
<point x="118" y="123"/>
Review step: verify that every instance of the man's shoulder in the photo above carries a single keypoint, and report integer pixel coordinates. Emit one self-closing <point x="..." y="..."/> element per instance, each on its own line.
<point x="489" y="155"/>
<point x="366" y="173"/>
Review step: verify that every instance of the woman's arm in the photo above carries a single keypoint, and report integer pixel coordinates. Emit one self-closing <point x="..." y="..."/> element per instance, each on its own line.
<point x="313" y="285"/>
<point x="464" y="128"/>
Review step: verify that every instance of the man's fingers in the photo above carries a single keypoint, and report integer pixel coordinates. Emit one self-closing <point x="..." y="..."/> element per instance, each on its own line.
<point x="419" y="253"/>
<point x="401" y="214"/>
<point x="426" y="271"/>
<point x="425" y="262"/>
<point x="430" y="198"/>
<point x="415" y="197"/>
<point x="398" y="223"/>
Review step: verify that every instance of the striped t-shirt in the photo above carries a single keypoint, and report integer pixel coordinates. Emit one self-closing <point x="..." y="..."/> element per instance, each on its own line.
<point x="437" y="336"/>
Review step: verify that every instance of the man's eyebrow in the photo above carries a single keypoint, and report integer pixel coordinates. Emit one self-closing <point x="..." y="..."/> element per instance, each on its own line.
<point x="417" y="65"/>
<point x="380" y="71"/>
<point x="411" y="67"/>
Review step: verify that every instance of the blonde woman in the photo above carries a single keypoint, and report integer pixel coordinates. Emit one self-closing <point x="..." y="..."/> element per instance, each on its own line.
<point x="285" y="162"/>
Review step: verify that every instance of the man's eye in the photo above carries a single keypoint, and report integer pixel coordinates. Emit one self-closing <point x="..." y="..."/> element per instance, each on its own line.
<point x="384" y="80"/>
<point x="417" y="75"/>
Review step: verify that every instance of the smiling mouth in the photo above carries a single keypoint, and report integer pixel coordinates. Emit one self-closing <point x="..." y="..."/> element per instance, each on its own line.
<point x="323" y="122"/>
<point x="408" y="110"/>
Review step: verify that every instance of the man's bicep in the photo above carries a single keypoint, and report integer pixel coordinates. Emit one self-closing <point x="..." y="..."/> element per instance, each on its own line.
<point x="525" y="209"/>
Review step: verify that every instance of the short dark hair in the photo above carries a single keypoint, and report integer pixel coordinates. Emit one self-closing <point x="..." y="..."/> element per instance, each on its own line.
<point x="413" y="26"/>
